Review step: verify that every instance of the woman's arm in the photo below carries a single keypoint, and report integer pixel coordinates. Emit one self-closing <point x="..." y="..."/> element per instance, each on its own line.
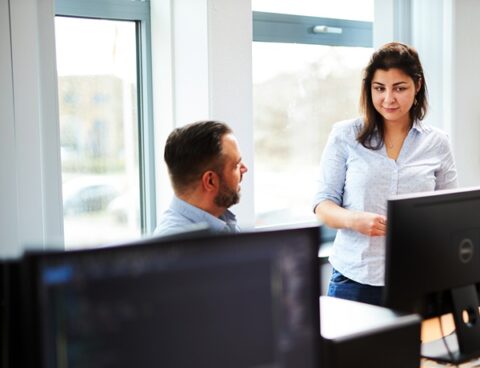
<point x="366" y="223"/>
<point x="446" y="177"/>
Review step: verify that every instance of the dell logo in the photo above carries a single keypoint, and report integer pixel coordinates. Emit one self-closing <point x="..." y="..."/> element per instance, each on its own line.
<point x="466" y="250"/>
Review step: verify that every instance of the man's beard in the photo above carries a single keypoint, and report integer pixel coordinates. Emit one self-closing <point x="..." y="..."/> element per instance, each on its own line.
<point x="226" y="197"/>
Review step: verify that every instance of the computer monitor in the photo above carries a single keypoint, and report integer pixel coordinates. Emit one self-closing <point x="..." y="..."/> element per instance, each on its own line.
<point x="3" y="315"/>
<point x="433" y="264"/>
<point x="10" y="314"/>
<point x="238" y="300"/>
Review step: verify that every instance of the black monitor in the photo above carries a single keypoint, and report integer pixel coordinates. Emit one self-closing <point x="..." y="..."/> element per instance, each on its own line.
<point x="433" y="265"/>
<point x="10" y="314"/>
<point x="3" y="315"/>
<point x="239" y="300"/>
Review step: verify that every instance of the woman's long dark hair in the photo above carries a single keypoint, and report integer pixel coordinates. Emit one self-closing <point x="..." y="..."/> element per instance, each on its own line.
<point x="391" y="55"/>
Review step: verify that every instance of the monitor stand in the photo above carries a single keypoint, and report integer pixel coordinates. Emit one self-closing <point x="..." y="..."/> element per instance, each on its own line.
<point x="464" y="343"/>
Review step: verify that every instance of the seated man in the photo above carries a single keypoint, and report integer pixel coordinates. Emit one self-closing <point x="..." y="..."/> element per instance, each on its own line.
<point x="206" y="169"/>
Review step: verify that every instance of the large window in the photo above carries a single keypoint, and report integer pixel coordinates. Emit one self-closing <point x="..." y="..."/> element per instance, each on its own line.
<point x="306" y="76"/>
<point x="104" y="121"/>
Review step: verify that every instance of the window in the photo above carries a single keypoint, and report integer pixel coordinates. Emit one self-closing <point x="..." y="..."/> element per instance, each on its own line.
<point x="339" y="9"/>
<point x="105" y="120"/>
<point x="306" y="76"/>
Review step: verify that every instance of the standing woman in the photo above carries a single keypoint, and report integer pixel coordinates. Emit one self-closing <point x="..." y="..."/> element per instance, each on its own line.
<point x="386" y="152"/>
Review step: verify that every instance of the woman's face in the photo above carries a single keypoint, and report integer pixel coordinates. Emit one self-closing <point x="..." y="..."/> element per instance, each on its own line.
<point x="393" y="94"/>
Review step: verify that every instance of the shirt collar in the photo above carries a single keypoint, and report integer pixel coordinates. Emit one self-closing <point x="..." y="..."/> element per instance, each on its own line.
<point x="419" y="127"/>
<point x="227" y="222"/>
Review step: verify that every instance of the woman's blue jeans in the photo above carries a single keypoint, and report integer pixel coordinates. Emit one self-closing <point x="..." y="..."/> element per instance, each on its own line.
<point x="344" y="288"/>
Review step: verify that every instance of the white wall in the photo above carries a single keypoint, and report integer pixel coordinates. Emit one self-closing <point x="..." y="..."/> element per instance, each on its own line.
<point x="30" y="192"/>
<point x="465" y="88"/>
<point x="208" y="47"/>
<point x="9" y="237"/>
<point x="432" y="50"/>
<point x="444" y="34"/>
<point x="231" y="86"/>
<point x="392" y="21"/>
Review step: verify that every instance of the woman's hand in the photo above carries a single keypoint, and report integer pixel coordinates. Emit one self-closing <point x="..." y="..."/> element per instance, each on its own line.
<point x="368" y="223"/>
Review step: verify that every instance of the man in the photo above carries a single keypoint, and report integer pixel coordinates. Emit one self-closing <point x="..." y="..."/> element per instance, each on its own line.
<point x="206" y="169"/>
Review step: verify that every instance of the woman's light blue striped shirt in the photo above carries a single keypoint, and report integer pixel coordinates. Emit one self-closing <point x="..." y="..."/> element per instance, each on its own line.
<point x="362" y="179"/>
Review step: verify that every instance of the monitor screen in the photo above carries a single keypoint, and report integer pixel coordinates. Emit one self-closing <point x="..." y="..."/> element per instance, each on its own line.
<point x="433" y="262"/>
<point x="239" y="300"/>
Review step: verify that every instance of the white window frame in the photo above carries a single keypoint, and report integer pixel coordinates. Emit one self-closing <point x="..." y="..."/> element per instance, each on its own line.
<point x="290" y="28"/>
<point x="139" y="12"/>
<point x="31" y="214"/>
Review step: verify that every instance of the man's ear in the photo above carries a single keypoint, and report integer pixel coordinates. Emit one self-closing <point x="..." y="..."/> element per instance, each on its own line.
<point x="210" y="180"/>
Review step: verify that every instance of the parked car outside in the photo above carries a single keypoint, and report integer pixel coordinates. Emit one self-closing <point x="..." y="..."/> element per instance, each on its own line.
<point x="86" y="194"/>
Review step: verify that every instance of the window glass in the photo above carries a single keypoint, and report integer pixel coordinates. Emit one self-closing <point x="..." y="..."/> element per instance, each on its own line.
<point x="97" y="76"/>
<point x="300" y="90"/>
<point x="342" y="9"/>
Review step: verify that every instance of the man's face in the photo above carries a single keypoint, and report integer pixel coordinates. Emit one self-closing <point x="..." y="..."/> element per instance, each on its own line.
<point x="233" y="170"/>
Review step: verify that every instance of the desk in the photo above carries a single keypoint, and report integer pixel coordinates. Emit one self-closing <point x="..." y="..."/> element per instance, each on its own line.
<point x="431" y="331"/>
<point x="362" y="335"/>
<point x="357" y="329"/>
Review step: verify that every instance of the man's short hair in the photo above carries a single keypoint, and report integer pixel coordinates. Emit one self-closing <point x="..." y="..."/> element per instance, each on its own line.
<point x="193" y="149"/>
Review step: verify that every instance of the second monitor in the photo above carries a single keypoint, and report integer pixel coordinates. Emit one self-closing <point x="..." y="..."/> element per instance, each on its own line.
<point x="433" y="264"/>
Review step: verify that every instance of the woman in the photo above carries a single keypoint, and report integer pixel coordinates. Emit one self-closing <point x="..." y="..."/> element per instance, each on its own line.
<point x="388" y="151"/>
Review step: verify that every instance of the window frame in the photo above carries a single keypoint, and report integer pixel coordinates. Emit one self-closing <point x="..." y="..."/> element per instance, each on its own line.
<point x="138" y="12"/>
<point x="290" y="28"/>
